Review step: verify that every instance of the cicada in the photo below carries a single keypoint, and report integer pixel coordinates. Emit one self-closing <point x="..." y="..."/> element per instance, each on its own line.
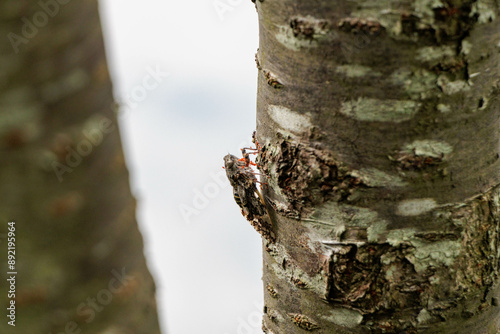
<point x="247" y="195"/>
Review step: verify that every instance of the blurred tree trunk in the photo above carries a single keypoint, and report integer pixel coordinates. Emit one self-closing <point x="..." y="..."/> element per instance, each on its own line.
<point x="63" y="180"/>
<point x="380" y="130"/>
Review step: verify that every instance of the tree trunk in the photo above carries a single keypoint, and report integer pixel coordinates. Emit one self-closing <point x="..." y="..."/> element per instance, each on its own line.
<point x="79" y="266"/>
<point x="379" y="123"/>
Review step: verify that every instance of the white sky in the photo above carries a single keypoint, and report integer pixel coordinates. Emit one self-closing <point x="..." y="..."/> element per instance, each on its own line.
<point x="207" y="266"/>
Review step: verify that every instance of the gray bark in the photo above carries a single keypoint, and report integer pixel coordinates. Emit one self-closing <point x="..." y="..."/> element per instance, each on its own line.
<point x="63" y="180"/>
<point x="379" y="124"/>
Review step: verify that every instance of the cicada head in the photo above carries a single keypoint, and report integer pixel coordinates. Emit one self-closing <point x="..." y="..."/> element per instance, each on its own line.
<point x="230" y="161"/>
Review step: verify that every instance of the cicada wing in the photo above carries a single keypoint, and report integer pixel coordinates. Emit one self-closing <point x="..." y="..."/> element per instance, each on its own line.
<point x="241" y="197"/>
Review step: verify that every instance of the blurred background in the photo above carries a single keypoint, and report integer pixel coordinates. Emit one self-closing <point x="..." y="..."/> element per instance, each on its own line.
<point x="185" y="80"/>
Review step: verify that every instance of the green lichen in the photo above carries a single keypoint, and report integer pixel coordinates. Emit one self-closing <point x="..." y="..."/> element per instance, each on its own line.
<point x="357" y="71"/>
<point x="344" y="317"/>
<point x="452" y="87"/>
<point x="96" y="122"/>
<point x="69" y="84"/>
<point x="434" y="54"/>
<point x="345" y="214"/>
<point x="484" y="10"/>
<point x="424" y="9"/>
<point x="400" y="236"/>
<point x="332" y="219"/>
<point x="376" y="231"/>
<point x="290" y="121"/>
<point x="19" y="116"/>
<point x="444" y="108"/>
<point x="429" y="148"/>
<point x="324" y="227"/>
<point x="424" y="316"/>
<point x="466" y="47"/>
<point x="305" y="34"/>
<point x="21" y="112"/>
<point x="436" y="253"/>
<point x="418" y="84"/>
<point x="374" y="177"/>
<point x="415" y="207"/>
<point x="388" y="19"/>
<point x="368" y="109"/>
<point x="285" y="36"/>
<point x="391" y="271"/>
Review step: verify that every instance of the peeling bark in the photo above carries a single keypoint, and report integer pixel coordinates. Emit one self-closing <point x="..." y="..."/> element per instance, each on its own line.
<point x="381" y="148"/>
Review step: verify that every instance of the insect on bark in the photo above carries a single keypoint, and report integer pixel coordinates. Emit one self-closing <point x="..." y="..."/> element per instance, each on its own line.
<point x="246" y="194"/>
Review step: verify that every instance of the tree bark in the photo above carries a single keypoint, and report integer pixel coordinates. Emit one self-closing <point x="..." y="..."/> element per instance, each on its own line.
<point x="79" y="253"/>
<point x="379" y="125"/>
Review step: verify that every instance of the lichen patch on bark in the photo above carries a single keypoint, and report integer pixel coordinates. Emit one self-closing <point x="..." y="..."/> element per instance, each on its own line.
<point x="452" y="87"/>
<point x="397" y="237"/>
<point x="289" y="120"/>
<point x="434" y="54"/>
<point x="433" y="254"/>
<point x="419" y="84"/>
<point x="444" y="108"/>
<point x="335" y="224"/>
<point x="357" y="71"/>
<point x="376" y="230"/>
<point x="345" y="317"/>
<point x="21" y="121"/>
<point x="429" y="147"/>
<point x="485" y="11"/>
<point x="302" y="32"/>
<point x="368" y="109"/>
<point x="66" y="85"/>
<point x="415" y="207"/>
<point x="376" y="178"/>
